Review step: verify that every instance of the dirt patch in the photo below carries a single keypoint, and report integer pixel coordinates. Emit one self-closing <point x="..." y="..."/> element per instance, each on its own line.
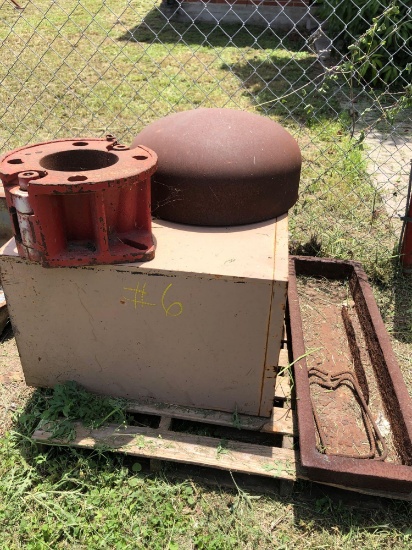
<point x="345" y="425"/>
<point x="13" y="390"/>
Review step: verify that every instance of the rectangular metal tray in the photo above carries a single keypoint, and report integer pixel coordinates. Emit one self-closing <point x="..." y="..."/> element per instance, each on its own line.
<point x="341" y="470"/>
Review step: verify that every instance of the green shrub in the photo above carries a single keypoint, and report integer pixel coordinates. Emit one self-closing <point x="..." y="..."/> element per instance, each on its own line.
<point x="376" y="34"/>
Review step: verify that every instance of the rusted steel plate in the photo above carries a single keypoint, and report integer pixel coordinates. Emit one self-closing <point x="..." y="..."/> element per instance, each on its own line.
<point x="80" y="201"/>
<point x="221" y="167"/>
<point x="378" y="473"/>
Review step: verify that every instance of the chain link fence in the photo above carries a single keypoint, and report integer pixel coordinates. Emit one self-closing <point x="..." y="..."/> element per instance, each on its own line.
<point x="333" y="73"/>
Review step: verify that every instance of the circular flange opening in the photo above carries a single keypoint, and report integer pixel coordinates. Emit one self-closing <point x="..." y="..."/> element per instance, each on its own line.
<point x="79" y="160"/>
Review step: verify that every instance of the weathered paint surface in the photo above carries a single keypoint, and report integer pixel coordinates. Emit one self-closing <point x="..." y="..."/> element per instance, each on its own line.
<point x="201" y="325"/>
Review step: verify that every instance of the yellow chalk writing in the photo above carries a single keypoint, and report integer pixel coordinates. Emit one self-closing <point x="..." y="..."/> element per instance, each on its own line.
<point x="172" y="309"/>
<point x="139" y="296"/>
<point x="168" y="309"/>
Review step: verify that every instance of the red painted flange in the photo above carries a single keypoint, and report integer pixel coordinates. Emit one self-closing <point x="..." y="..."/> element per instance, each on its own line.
<point x="80" y="201"/>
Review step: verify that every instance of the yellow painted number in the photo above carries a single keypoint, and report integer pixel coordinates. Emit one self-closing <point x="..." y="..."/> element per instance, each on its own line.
<point x="174" y="309"/>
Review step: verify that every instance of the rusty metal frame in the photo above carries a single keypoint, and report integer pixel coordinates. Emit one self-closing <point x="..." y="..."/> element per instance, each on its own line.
<point x="338" y="470"/>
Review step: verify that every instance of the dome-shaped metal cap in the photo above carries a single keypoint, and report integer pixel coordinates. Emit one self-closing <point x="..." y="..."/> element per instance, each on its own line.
<point x="221" y="167"/>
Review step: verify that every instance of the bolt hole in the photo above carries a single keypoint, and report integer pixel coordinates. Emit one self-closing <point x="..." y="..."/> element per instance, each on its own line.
<point x="80" y="143"/>
<point x="77" y="178"/>
<point x="141" y="157"/>
<point x="28" y="174"/>
<point x="15" y="161"/>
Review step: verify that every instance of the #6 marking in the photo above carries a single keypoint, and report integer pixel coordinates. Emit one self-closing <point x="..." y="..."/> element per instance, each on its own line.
<point x="174" y="309"/>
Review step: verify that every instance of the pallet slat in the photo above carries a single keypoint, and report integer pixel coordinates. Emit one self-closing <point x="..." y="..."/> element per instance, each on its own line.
<point x="197" y="415"/>
<point x="283" y="388"/>
<point x="283" y="358"/>
<point x="181" y="447"/>
<point x="280" y="422"/>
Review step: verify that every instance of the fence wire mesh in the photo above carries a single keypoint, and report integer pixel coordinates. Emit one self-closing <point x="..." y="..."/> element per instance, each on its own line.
<point x="91" y="67"/>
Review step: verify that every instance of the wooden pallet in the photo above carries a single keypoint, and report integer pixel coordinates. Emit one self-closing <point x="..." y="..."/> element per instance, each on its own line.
<point x="234" y="451"/>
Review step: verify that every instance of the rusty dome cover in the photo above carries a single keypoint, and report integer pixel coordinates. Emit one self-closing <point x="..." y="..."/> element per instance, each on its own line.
<point x="221" y="167"/>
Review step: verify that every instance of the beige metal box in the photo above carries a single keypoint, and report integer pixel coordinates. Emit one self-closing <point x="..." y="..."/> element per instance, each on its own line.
<point x="200" y="325"/>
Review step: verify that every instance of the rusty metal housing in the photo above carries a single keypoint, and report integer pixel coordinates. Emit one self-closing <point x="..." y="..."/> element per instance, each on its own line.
<point x="80" y="201"/>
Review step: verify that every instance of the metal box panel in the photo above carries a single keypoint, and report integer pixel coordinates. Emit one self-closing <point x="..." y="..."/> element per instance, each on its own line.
<point x="200" y="325"/>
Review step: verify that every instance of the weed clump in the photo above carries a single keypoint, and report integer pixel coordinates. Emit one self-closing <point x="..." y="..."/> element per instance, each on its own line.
<point x="69" y="403"/>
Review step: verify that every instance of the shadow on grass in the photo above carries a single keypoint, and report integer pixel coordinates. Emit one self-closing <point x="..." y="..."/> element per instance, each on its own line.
<point x="7" y="333"/>
<point x="158" y="28"/>
<point x="288" y="86"/>
<point x="312" y="247"/>
<point x="266" y="76"/>
<point x="328" y="509"/>
<point x="402" y="321"/>
<point x="394" y="299"/>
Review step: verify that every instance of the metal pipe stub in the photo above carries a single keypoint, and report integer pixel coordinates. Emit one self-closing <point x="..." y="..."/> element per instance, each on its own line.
<point x="80" y="201"/>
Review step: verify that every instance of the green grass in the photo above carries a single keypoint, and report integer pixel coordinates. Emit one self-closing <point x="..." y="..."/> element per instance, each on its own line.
<point x="68" y="498"/>
<point x="67" y="403"/>
<point x="68" y="69"/>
